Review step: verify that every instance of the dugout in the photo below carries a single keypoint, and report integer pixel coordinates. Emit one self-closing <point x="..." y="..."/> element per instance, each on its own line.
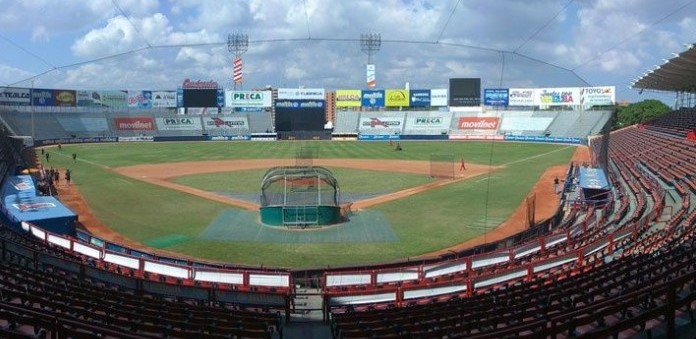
<point x="299" y="196"/>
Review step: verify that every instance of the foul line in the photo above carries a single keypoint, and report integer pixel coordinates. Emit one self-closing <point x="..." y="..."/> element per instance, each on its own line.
<point x="82" y="160"/>
<point x="537" y="156"/>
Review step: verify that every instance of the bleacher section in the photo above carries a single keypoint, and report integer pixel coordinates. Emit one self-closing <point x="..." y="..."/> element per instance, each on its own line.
<point x="346" y="122"/>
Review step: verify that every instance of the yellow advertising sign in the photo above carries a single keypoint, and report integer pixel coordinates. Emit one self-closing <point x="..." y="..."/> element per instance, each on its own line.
<point x="396" y="98"/>
<point x="348" y="98"/>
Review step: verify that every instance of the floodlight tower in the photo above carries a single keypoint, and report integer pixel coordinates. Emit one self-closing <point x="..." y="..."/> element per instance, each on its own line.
<point x="370" y="44"/>
<point x="237" y="44"/>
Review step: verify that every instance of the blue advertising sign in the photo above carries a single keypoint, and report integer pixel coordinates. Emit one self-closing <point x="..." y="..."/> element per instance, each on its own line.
<point x="496" y="96"/>
<point x="248" y="109"/>
<point x="540" y="138"/>
<point x="371" y="137"/>
<point x="299" y="104"/>
<point x="372" y="98"/>
<point x="42" y="97"/>
<point x="221" y="97"/>
<point x="419" y="98"/>
<point x="179" y="97"/>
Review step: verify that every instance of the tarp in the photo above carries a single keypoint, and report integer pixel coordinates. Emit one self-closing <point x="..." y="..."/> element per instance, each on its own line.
<point x="43" y="211"/>
<point x="593" y="178"/>
<point x="19" y="184"/>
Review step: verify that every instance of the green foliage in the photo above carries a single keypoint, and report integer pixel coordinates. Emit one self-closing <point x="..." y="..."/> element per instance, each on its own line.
<point x="640" y="112"/>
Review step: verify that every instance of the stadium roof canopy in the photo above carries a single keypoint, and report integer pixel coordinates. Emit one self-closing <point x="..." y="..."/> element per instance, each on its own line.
<point x="677" y="74"/>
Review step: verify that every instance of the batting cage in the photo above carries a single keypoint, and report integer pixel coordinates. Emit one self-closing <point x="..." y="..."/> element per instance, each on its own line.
<point x="442" y="166"/>
<point x="300" y="196"/>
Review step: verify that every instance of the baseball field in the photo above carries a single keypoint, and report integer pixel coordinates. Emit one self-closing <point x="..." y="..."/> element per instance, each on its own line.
<point x="198" y="199"/>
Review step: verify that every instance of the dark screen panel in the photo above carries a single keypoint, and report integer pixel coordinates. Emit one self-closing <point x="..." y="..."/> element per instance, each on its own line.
<point x="200" y="98"/>
<point x="299" y="115"/>
<point x="465" y="92"/>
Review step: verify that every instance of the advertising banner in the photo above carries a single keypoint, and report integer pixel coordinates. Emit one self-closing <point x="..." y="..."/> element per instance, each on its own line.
<point x="495" y="96"/>
<point x="202" y="110"/>
<point x="248" y="98"/>
<point x="521" y="97"/>
<point x="348" y="97"/>
<point x="140" y="99"/>
<point x="380" y="122"/>
<point x="114" y="98"/>
<point x="88" y="99"/>
<point x="562" y="96"/>
<point x="218" y="123"/>
<point x="301" y="93"/>
<point x="220" y="97"/>
<point x="163" y="99"/>
<point x="429" y="121"/>
<point x="81" y="124"/>
<point x="396" y="98"/>
<point x="372" y="98"/>
<point x="478" y="123"/>
<point x="532" y="138"/>
<point x="42" y="97"/>
<point x="419" y="98"/>
<point x="15" y="96"/>
<point x="438" y="97"/>
<point x="179" y="124"/>
<point x="134" y="124"/>
<point x="378" y="137"/>
<point x="598" y="96"/>
<point x="248" y="109"/>
<point x="64" y="98"/>
<point x="299" y="104"/>
<point x="180" y="97"/>
<point x="371" y="75"/>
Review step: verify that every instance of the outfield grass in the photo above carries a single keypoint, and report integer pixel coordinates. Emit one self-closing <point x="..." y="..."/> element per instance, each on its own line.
<point x="423" y="222"/>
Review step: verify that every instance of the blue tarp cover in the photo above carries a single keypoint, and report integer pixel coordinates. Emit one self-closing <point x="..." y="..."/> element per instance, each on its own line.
<point x="593" y="178"/>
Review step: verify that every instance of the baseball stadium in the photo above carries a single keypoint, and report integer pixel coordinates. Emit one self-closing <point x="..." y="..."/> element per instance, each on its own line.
<point x="202" y="211"/>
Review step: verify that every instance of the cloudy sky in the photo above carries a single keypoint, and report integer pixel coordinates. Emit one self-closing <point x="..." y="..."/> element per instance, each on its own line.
<point x="151" y="44"/>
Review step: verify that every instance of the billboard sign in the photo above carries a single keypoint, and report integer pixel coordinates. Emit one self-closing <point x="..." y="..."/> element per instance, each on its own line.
<point x="562" y="96"/>
<point x="113" y="98"/>
<point x="64" y="98"/>
<point x="521" y="97"/>
<point x="372" y="98"/>
<point x="299" y="104"/>
<point x="248" y="98"/>
<point x="199" y="84"/>
<point x="15" y="96"/>
<point x="496" y="96"/>
<point x="419" y="98"/>
<point x="179" y="97"/>
<point x="380" y="122"/>
<point x="42" y="97"/>
<point x="348" y="98"/>
<point x="396" y="98"/>
<point x="598" y="96"/>
<point x="224" y="122"/>
<point x="371" y="75"/>
<point x="438" y="97"/>
<point x="301" y="93"/>
<point x="163" y="99"/>
<point x="140" y="99"/>
<point x="179" y="124"/>
<point x="478" y="123"/>
<point x="465" y="92"/>
<point x="134" y="124"/>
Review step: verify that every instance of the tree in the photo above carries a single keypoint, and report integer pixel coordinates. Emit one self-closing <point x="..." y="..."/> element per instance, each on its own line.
<point x="640" y="112"/>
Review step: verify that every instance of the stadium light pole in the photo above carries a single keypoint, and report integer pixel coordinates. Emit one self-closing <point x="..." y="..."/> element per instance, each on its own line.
<point x="237" y="44"/>
<point x="31" y="98"/>
<point x="370" y="43"/>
